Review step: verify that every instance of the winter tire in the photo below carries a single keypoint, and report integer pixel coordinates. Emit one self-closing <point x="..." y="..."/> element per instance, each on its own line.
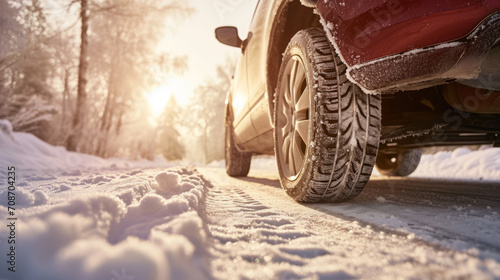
<point x="237" y="162"/>
<point x="398" y="164"/>
<point x="327" y="130"/>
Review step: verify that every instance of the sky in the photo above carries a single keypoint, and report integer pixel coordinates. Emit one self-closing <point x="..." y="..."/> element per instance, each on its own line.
<point x="194" y="36"/>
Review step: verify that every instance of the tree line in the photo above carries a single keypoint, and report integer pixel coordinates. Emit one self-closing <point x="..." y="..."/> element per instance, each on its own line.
<point x="76" y="73"/>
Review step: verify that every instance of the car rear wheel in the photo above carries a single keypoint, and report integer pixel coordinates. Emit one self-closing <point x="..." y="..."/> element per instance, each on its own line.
<point x="400" y="164"/>
<point x="327" y="130"/>
<point x="237" y="162"/>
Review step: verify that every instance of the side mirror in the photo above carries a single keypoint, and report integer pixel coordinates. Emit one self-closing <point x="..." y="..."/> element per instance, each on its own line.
<point x="228" y="35"/>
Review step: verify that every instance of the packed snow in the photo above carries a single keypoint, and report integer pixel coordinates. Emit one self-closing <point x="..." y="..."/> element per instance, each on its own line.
<point x="261" y="233"/>
<point x="28" y="153"/>
<point x="122" y="219"/>
<point x="99" y="219"/>
<point x="146" y="225"/>
<point x="462" y="163"/>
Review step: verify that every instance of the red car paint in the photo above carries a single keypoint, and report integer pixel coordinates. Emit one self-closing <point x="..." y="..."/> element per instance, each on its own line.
<point x="367" y="30"/>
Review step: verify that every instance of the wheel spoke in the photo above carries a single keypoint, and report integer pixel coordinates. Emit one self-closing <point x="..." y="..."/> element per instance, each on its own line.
<point x="303" y="103"/>
<point x="284" y="132"/>
<point x="285" y="112"/>
<point x="288" y="91"/>
<point x="302" y="128"/>
<point x="293" y="122"/>
<point x="298" y="156"/>
<point x="299" y="78"/>
<point x="286" y="148"/>
<point x="291" y="156"/>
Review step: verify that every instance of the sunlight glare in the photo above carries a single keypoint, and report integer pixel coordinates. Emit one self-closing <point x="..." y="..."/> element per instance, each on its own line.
<point x="159" y="97"/>
<point x="238" y="103"/>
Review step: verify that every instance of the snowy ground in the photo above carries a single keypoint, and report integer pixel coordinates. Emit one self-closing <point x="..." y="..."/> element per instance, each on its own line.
<point x="261" y="233"/>
<point x="114" y="219"/>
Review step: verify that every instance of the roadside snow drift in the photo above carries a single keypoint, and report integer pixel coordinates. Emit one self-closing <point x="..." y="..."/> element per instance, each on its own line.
<point x="462" y="163"/>
<point x="28" y="153"/>
<point x="144" y="227"/>
<point x="84" y="217"/>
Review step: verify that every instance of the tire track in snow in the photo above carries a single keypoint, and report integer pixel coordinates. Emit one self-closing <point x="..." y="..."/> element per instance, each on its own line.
<point x="454" y="214"/>
<point x="259" y="232"/>
<point x="150" y="226"/>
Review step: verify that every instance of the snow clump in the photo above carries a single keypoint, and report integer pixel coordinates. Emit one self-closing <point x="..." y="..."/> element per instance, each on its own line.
<point x="144" y="232"/>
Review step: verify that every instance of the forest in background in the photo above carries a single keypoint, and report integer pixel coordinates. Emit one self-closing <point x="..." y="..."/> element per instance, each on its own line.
<point x="76" y="73"/>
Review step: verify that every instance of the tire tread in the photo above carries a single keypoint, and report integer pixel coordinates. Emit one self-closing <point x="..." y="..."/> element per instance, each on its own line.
<point x="344" y="165"/>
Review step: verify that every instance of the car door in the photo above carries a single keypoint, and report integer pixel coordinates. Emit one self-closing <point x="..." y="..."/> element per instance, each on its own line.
<point x="249" y="86"/>
<point x="242" y="123"/>
<point x="256" y="59"/>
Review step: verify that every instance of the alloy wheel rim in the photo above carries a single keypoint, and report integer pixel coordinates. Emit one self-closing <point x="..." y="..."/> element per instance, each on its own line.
<point x="293" y="118"/>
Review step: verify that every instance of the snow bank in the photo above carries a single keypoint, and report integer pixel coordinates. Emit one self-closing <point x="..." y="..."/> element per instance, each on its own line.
<point x="27" y="152"/>
<point x="149" y="231"/>
<point x="24" y="198"/>
<point x="461" y="163"/>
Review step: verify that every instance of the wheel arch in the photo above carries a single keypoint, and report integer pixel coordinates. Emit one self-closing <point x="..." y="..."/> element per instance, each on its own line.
<point x="289" y="18"/>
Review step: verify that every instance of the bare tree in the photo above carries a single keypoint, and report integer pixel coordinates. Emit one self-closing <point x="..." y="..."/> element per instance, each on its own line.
<point x="207" y="113"/>
<point x="126" y="36"/>
<point x="81" y="99"/>
<point x="170" y="142"/>
<point x="66" y="69"/>
<point x="25" y="64"/>
<point x="100" y="87"/>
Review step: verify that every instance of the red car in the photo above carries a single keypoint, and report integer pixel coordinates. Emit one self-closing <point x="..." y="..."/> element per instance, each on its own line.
<point x="334" y="88"/>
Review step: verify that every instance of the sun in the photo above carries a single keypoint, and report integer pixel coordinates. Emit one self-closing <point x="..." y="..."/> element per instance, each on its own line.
<point x="173" y="85"/>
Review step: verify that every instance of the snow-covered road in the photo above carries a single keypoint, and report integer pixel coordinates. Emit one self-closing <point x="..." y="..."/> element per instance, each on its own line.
<point x="81" y="217"/>
<point x="183" y="223"/>
<point x="411" y="228"/>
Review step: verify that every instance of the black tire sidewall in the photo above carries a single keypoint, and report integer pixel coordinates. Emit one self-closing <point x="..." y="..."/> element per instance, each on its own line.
<point x="237" y="163"/>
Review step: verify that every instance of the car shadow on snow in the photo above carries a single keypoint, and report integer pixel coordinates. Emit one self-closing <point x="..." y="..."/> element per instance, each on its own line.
<point x="263" y="181"/>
